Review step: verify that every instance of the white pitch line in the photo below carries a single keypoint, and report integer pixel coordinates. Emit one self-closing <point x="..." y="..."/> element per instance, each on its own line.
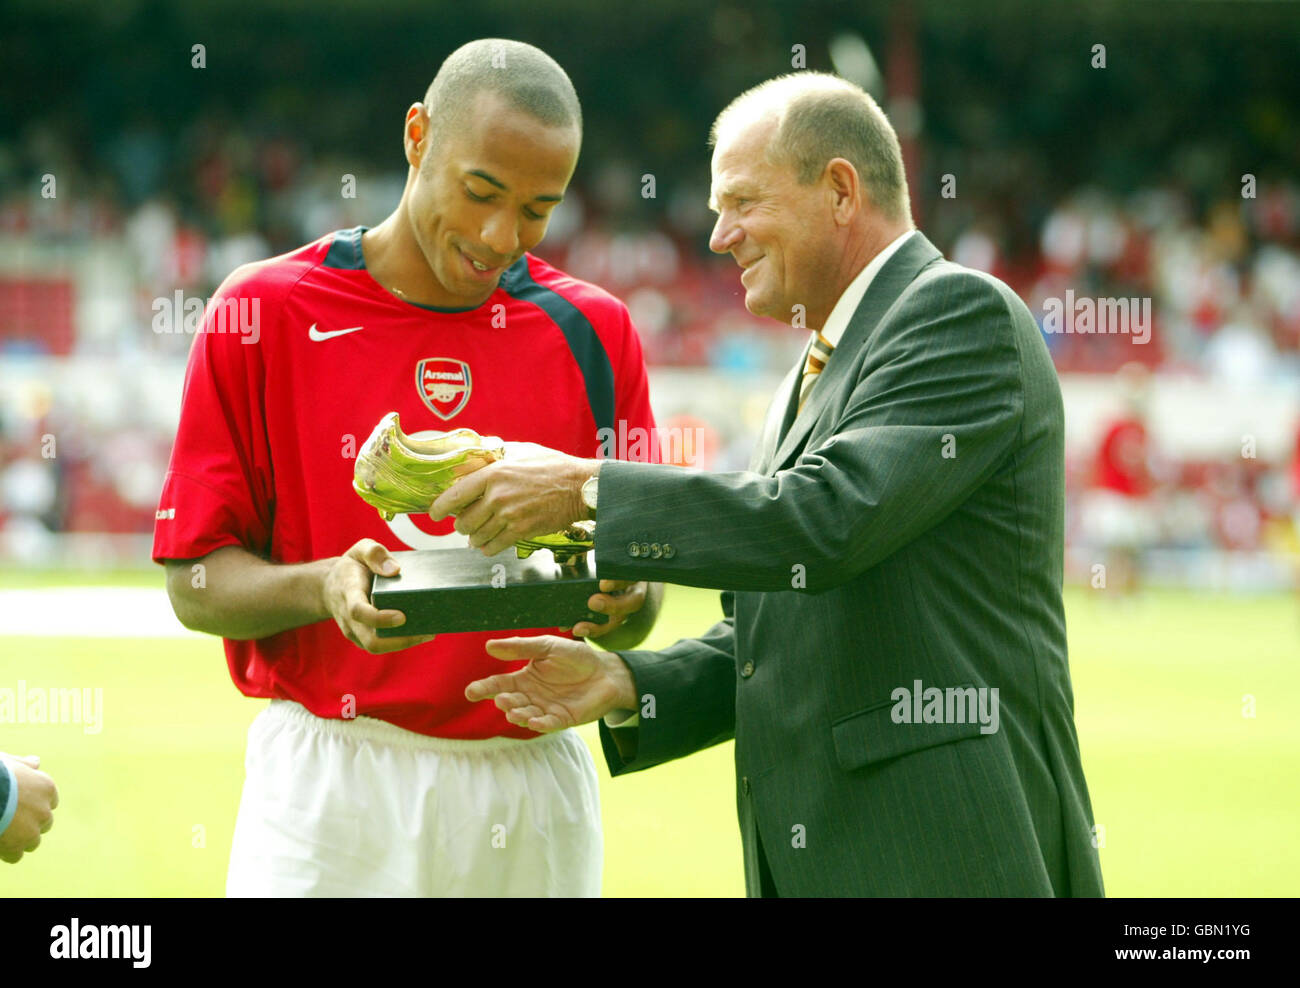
<point x="96" y="612"/>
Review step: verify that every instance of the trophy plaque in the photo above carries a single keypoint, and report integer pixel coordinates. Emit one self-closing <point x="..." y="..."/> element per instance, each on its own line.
<point x="447" y="590"/>
<point x="451" y="590"/>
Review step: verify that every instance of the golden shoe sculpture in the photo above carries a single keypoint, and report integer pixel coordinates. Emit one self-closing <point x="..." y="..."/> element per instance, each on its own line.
<point x="400" y="475"/>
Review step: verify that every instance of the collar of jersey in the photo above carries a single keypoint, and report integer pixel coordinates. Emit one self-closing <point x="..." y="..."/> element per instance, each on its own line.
<point x="345" y="252"/>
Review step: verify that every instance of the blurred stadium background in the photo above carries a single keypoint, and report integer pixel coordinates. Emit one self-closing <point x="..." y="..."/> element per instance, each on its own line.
<point x="1172" y="173"/>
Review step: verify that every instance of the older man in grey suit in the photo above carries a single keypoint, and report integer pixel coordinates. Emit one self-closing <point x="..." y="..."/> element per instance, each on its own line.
<point x="892" y="655"/>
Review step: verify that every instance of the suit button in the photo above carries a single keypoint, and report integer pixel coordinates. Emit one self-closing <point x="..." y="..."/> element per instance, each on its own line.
<point x="645" y="548"/>
<point x="747" y="669"/>
<point x="744" y="785"/>
<point x="656" y="550"/>
<point x="633" y="549"/>
<point x="670" y="550"/>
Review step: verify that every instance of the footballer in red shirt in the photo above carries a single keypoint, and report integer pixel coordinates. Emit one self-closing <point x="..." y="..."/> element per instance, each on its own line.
<point x="1118" y="514"/>
<point x="370" y="773"/>
<point x="1122" y="458"/>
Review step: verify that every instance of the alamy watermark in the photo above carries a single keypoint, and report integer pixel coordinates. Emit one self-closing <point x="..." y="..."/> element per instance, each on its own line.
<point x="179" y="314"/>
<point x="953" y="705"/>
<point x="1085" y="315"/>
<point x="74" y="941"/>
<point x="53" y="705"/>
<point x="675" y="445"/>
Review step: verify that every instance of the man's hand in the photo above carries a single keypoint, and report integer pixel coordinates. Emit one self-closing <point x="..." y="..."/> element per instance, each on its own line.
<point x="620" y="599"/>
<point x="565" y="683"/>
<point x="346" y="595"/>
<point x="37" y="798"/>
<point x="533" y="491"/>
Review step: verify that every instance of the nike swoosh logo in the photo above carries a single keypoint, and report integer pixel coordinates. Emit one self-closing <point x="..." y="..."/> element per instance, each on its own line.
<point x="317" y="335"/>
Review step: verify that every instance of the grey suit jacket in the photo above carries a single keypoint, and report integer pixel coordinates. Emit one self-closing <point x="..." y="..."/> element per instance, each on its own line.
<point x="904" y="533"/>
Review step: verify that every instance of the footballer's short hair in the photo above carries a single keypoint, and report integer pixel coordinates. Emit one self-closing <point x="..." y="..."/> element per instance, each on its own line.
<point x="528" y="79"/>
<point x="818" y="117"/>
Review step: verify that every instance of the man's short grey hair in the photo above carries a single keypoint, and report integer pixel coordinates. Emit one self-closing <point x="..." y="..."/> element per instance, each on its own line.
<point x="528" y="79"/>
<point x="819" y="117"/>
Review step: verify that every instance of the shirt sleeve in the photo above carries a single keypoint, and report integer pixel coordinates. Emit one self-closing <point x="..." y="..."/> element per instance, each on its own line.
<point x="218" y="490"/>
<point x="8" y="795"/>
<point x="632" y="398"/>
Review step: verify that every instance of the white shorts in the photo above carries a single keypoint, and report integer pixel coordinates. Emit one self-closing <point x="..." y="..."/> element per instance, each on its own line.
<point x="1113" y="521"/>
<point x="364" y="808"/>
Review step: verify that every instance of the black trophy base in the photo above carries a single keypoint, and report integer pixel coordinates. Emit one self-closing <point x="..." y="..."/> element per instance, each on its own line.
<point x="449" y="590"/>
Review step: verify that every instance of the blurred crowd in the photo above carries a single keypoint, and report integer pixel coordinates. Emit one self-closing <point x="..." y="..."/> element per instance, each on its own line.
<point x="1223" y="277"/>
<point x="81" y="273"/>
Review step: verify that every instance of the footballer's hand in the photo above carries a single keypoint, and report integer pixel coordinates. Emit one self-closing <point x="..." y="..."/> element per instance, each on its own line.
<point x="620" y="599"/>
<point x="346" y="596"/>
<point x="565" y="683"/>
<point x="37" y="798"/>
<point x="533" y="491"/>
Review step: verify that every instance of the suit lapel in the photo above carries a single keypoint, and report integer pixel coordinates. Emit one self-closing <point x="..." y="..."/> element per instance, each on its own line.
<point x="890" y="281"/>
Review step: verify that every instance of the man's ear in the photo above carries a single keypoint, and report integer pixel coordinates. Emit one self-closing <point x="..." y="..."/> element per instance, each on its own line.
<point x="415" y="134"/>
<point x="845" y="189"/>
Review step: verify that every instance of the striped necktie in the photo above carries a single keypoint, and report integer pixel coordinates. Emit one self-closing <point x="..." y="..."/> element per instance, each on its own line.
<point x="818" y="354"/>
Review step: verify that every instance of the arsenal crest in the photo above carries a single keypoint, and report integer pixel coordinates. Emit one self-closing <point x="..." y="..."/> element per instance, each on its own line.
<point x="444" y="385"/>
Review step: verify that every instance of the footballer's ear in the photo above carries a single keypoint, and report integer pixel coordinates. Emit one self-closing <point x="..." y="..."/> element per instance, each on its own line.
<point x="415" y="133"/>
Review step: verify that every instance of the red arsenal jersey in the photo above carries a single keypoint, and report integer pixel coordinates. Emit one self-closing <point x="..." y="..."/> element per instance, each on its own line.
<point x="1122" y="459"/>
<point x="298" y="359"/>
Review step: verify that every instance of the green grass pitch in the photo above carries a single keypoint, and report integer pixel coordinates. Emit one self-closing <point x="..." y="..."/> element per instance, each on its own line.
<point x="1195" y="798"/>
